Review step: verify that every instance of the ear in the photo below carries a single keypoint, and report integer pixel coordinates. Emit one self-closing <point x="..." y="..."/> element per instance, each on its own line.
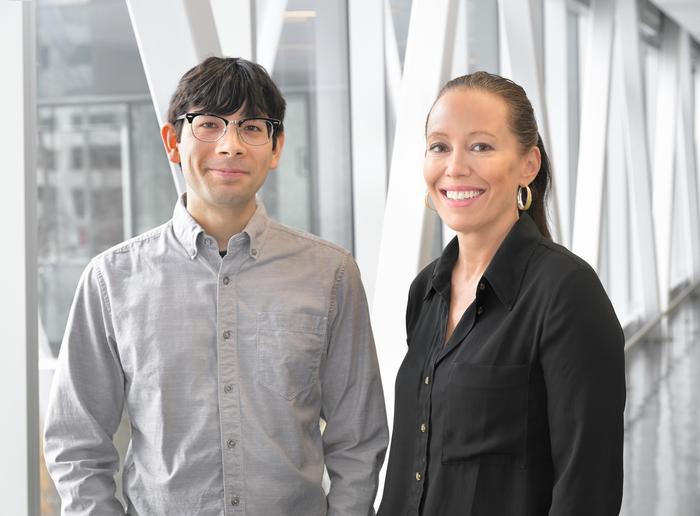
<point x="533" y="161"/>
<point x="169" y="136"/>
<point x="277" y="153"/>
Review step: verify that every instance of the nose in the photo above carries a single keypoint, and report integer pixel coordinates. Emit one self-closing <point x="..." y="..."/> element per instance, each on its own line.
<point x="457" y="164"/>
<point x="230" y="144"/>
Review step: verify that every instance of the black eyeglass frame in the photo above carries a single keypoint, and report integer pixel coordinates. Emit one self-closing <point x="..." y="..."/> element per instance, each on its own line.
<point x="191" y="116"/>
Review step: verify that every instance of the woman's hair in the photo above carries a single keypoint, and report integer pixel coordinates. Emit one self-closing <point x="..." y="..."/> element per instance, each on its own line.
<point x="522" y="123"/>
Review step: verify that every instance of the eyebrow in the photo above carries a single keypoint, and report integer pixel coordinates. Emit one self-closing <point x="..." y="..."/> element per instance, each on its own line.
<point x="473" y="133"/>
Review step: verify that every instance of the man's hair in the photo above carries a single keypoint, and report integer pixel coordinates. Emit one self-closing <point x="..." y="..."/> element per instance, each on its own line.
<point x="223" y="85"/>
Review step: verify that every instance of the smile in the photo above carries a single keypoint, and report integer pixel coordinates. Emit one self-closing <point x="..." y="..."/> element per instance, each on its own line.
<point x="460" y="195"/>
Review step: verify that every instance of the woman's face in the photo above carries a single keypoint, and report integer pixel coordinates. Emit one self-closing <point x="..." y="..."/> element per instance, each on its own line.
<point x="474" y="163"/>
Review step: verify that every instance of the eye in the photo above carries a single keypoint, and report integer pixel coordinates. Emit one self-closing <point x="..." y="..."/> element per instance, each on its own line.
<point x="437" y="147"/>
<point x="253" y="126"/>
<point x="481" y="147"/>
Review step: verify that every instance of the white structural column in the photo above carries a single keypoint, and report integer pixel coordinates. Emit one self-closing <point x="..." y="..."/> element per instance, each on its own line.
<point x="637" y="155"/>
<point x="172" y="36"/>
<point x="393" y="61"/>
<point x="558" y="106"/>
<point x="367" y="114"/>
<point x="687" y="158"/>
<point x="664" y="154"/>
<point x="235" y="25"/>
<point x="269" y="20"/>
<point x="19" y="446"/>
<point x="525" y="66"/>
<point x="428" y="60"/>
<point x="594" y="122"/>
<point x="618" y="264"/>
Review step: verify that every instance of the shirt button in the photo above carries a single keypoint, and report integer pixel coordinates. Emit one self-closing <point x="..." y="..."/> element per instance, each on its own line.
<point x="482" y="286"/>
<point x="254" y="252"/>
<point x="226" y="280"/>
<point x="418" y="477"/>
<point x="235" y="501"/>
<point x="427" y="380"/>
<point x="231" y="443"/>
<point x="228" y="389"/>
<point x="480" y="310"/>
<point x="423" y="428"/>
<point x="207" y="241"/>
<point x="227" y="335"/>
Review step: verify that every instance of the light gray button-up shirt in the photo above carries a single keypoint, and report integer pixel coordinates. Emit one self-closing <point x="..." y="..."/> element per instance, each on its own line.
<point x="224" y="367"/>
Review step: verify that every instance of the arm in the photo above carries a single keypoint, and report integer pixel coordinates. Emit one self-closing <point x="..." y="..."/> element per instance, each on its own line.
<point x="582" y="357"/>
<point x="85" y="406"/>
<point x="356" y="433"/>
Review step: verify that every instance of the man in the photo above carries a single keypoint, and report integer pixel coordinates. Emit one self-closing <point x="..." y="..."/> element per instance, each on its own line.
<point x="226" y="337"/>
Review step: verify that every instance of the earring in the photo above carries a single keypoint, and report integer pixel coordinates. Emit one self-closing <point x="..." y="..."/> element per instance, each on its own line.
<point x="528" y="200"/>
<point x="426" y="201"/>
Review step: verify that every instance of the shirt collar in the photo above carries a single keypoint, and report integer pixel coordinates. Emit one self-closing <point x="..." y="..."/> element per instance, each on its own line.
<point x="187" y="229"/>
<point x="507" y="268"/>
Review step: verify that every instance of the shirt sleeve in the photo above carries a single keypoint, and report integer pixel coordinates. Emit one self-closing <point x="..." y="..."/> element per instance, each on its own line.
<point x="582" y="357"/>
<point x="85" y="406"/>
<point x="356" y="433"/>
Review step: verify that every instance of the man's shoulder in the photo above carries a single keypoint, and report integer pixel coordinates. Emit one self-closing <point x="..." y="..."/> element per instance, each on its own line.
<point x="303" y="242"/>
<point x="140" y="244"/>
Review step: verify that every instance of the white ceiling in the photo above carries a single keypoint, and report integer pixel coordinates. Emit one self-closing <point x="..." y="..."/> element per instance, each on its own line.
<point x="685" y="12"/>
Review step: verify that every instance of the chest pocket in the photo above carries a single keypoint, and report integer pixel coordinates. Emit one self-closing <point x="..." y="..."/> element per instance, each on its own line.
<point x="486" y="412"/>
<point x="289" y="349"/>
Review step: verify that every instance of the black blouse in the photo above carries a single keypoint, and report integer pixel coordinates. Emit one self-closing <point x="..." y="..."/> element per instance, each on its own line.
<point x="521" y="411"/>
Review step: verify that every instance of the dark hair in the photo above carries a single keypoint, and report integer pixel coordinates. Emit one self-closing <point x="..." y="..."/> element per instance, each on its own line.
<point x="522" y="124"/>
<point x="224" y="85"/>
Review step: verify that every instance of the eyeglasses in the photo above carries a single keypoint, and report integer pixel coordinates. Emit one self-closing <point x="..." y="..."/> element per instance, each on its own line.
<point x="208" y="127"/>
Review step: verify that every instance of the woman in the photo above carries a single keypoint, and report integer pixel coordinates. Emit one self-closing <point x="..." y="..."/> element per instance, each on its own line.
<point x="510" y="398"/>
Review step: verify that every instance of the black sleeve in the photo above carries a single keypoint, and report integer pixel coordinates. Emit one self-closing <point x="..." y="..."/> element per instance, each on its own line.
<point x="582" y="357"/>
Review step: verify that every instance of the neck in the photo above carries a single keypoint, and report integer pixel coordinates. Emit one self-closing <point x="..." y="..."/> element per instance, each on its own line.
<point x="477" y="249"/>
<point x="221" y="222"/>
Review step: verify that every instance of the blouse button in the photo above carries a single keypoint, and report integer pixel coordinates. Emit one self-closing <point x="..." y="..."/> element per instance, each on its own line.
<point x="423" y="428"/>
<point x="418" y="477"/>
<point x="482" y="286"/>
<point x="480" y="310"/>
<point x="427" y="380"/>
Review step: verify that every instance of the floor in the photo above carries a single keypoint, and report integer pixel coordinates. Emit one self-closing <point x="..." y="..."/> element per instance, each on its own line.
<point x="662" y="434"/>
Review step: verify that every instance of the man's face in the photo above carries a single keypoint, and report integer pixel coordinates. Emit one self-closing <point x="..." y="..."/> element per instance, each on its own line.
<point x="223" y="174"/>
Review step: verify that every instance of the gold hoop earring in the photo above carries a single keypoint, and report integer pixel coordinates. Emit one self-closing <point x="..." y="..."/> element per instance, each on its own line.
<point x="426" y="201"/>
<point x="528" y="200"/>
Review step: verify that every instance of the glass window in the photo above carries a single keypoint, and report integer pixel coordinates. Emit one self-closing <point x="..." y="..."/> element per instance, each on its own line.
<point x="102" y="174"/>
<point x="312" y="187"/>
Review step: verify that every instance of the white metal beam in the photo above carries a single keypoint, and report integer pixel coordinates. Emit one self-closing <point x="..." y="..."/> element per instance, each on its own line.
<point x="172" y="37"/>
<point x="594" y="109"/>
<point x="525" y="66"/>
<point x="428" y="60"/>
<point x="687" y="157"/>
<point x="637" y="154"/>
<point x="367" y="108"/>
<point x="235" y="26"/>
<point x="664" y="154"/>
<point x="19" y="446"/>
<point x="557" y="87"/>
<point x="269" y="18"/>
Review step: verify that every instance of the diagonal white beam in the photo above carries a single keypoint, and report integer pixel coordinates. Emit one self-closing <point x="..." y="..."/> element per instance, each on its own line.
<point x="190" y="32"/>
<point x="559" y="105"/>
<point x="235" y="27"/>
<point x="269" y="16"/>
<point x="367" y="104"/>
<point x="664" y="154"/>
<point x="19" y="446"/>
<point x="525" y="66"/>
<point x="594" y="109"/>
<point x="637" y="154"/>
<point x="687" y="157"/>
<point x="428" y="60"/>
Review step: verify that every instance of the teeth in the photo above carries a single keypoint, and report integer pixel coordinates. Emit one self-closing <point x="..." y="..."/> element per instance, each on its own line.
<point x="459" y="195"/>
